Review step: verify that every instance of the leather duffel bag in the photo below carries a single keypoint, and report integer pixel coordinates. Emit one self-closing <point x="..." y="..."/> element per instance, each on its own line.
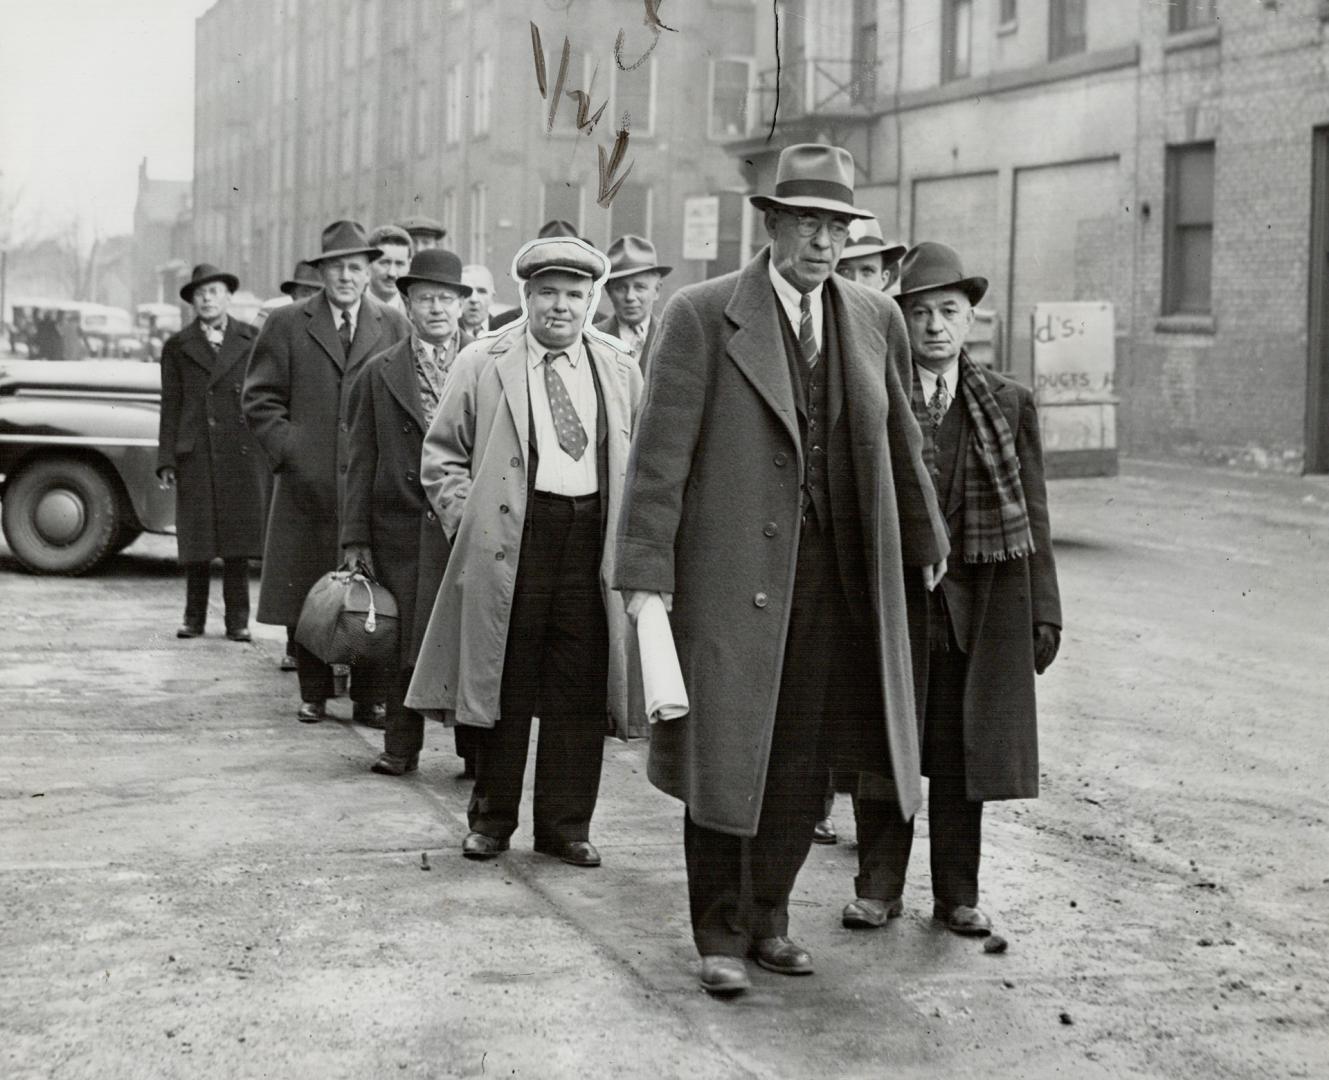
<point x="349" y="618"/>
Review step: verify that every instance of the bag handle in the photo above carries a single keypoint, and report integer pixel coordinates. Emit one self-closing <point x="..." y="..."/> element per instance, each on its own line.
<point x="371" y="617"/>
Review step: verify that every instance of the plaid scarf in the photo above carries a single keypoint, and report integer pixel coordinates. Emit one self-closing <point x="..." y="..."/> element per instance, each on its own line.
<point x="996" y="521"/>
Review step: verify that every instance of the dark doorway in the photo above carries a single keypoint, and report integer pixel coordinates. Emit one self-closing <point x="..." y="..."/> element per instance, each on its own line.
<point x="1317" y="378"/>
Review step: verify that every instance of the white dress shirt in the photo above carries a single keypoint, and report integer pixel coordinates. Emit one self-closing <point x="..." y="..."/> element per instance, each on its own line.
<point x="791" y="301"/>
<point x="634" y="337"/>
<point x="928" y="379"/>
<point x="557" y="473"/>
<point x="337" y="316"/>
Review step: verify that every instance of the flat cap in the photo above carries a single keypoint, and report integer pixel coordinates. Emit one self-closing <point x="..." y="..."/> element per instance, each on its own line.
<point x="567" y="254"/>
<point x="422" y="224"/>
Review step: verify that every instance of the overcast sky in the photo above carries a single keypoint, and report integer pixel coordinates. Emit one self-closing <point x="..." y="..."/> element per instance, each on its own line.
<point x="87" y="89"/>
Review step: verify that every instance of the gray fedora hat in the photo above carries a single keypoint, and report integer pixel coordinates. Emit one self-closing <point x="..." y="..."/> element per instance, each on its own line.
<point x="813" y="176"/>
<point x="930" y="265"/>
<point x="865" y="239"/>
<point x="345" y="238"/>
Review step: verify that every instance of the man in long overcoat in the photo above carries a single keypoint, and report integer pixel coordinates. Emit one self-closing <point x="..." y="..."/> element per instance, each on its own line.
<point x="387" y="523"/>
<point x="777" y="494"/>
<point x="297" y="400"/>
<point x="524" y="464"/>
<point x="207" y="453"/>
<point x="993" y="624"/>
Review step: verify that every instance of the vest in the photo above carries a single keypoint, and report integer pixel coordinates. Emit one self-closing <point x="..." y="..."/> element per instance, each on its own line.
<point x="949" y="605"/>
<point x="810" y="398"/>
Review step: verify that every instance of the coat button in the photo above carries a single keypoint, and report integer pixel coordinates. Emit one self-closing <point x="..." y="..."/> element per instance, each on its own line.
<point x="410" y="475"/>
<point x="406" y="428"/>
<point x="760" y="599"/>
<point x="345" y="426"/>
<point x="515" y="463"/>
<point x="503" y="508"/>
<point x="212" y="421"/>
<point x="499" y="556"/>
<point x="781" y="460"/>
<point x="771" y="528"/>
<point x="429" y="515"/>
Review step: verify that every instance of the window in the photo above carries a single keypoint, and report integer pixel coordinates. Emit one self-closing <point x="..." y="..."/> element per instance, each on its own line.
<point x="956" y="35"/>
<point x="562" y="200"/>
<point x="1008" y="12"/>
<point x="421" y="118"/>
<point x="578" y="78"/>
<point x="731" y="82"/>
<point x="1191" y="14"/>
<point x="633" y="92"/>
<point x="630" y="212"/>
<point x="449" y="220"/>
<point x="483" y="75"/>
<point x="1189" y="229"/>
<point x="864" y="47"/>
<point x="452" y="126"/>
<point x="1066" y="28"/>
<point x="479" y="225"/>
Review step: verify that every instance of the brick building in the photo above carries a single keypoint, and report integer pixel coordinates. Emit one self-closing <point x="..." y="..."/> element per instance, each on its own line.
<point x="1171" y="158"/>
<point x="310" y="110"/>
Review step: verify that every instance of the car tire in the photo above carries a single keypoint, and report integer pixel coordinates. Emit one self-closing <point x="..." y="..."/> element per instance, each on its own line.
<point x="61" y="516"/>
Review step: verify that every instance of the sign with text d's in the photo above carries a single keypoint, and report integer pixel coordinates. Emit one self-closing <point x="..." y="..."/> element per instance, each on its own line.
<point x="1074" y="385"/>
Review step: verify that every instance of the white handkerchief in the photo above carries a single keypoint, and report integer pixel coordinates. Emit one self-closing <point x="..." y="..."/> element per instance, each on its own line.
<point x="661" y="677"/>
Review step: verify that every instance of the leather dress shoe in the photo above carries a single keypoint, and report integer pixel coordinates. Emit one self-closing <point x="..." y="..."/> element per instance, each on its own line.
<point x="395" y="764"/>
<point x="240" y="633"/>
<point x="824" y="832"/>
<point x="572" y="852"/>
<point x="311" y="712"/>
<point x="373" y="716"/>
<point x="782" y="956"/>
<point x="188" y="630"/>
<point x="479" y="846"/>
<point x="867" y="914"/>
<point x="969" y="921"/>
<point x="288" y="662"/>
<point x="724" y="975"/>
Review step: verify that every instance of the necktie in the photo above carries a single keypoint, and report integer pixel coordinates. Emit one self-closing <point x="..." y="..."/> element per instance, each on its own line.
<point x="571" y="435"/>
<point x="807" y="340"/>
<point x="939" y="403"/>
<point x="345" y="333"/>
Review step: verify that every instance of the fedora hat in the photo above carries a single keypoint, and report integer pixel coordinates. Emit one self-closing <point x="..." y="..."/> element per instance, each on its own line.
<point x="557" y="227"/>
<point x="630" y="255"/>
<point x="813" y="176"/>
<point x="434" y="266"/>
<point x="203" y="273"/>
<point x="930" y="265"/>
<point x="421" y="224"/>
<point x="345" y="238"/>
<point x="303" y="274"/>
<point x="865" y="239"/>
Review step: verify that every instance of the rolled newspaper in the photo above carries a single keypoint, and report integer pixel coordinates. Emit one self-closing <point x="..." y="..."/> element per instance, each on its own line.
<point x="661" y="677"/>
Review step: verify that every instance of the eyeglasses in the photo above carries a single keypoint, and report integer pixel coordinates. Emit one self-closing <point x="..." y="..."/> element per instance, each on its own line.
<point x="809" y="225"/>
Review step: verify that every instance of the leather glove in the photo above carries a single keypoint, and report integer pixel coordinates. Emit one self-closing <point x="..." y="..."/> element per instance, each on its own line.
<point x="1047" y="640"/>
<point x="353" y="554"/>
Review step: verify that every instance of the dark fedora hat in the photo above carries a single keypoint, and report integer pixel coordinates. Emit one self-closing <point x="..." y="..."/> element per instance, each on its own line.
<point x="303" y="274"/>
<point x="930" y="265"/>
<point x="865" y="239"/>
<point x="434" y="266"/>
<point x="630" y="255"/>
<point x="557" y="227"/>
<point x="345" y="238"/>
<point x="421" y="224"/>
<point x="813" y="176"/>
<point x="203" y="273"/>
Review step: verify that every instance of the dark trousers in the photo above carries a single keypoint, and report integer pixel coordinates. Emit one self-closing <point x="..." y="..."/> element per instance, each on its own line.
<point x="556" y="667"/>
<point x="404" y="729"/>
<point x="235" y="592"/>
<point x="369" y="682"/>
<point x="738" y="887"/>
<point x="955" y="823"/>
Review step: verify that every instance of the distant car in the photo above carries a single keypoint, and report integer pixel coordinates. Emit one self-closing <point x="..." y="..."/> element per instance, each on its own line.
<point x="78" y="460"/>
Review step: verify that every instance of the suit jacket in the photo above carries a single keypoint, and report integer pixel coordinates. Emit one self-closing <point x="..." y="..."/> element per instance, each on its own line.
<point x="476" y="468"/>
<point x="610" y="325"/>
<point x="297" y="398"/>
<point x="222" y="483"/>
<point x="712" y="514"/>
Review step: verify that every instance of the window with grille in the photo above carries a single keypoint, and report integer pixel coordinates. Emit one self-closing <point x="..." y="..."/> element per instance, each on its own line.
<point x="731" y="81"/>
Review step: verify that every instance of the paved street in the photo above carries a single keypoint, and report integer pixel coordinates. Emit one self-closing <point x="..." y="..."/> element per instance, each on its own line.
<point x="195" y="885"/>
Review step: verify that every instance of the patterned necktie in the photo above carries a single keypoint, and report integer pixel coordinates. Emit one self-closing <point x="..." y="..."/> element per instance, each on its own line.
<point x="345" y="333"/>
<point x="939" y="403"/>
<point x="571" y="435"/>
<point x="807" y="340"/>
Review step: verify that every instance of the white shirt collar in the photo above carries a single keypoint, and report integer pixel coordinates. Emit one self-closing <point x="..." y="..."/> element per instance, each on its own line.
<point x="535" y="352"/>
<point x="791" y="301"/>
<point x="928" y="379"/>
<point x="354" y="310"/>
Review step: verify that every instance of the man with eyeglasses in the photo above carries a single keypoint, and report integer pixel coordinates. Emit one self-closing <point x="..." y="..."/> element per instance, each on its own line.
<point x="776" y="497"/>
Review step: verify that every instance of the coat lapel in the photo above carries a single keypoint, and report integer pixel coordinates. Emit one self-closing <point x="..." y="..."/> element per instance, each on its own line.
<point x="234" y="350"/>
<point x="402" y="381"/>
<point x="198" y="349"/>
<point x="368" y="330"/>
<point x="511" y="367"/>
<point x="756" y="346"/>
<point x="323" y="330"/>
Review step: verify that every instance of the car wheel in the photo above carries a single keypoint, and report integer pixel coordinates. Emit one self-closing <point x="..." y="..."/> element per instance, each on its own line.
<point x="61" y="516"/>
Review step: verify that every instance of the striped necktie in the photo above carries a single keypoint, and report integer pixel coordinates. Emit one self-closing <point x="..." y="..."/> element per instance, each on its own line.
<point x="807" y="340"/>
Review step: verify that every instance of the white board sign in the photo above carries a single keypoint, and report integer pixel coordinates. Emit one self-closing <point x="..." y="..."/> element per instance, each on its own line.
<point x="701" y="227"/>
<point x="1074" y="352"/>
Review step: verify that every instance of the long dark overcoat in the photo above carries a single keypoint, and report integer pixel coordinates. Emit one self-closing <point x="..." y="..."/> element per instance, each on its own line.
<point x="386" y="508"/>
<point x="297" y="399"/>
<point x="712" y="513"/>
<point x="222" y="482"/>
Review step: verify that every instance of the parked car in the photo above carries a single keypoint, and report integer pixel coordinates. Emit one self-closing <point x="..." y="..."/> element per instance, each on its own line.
<point x="78" y="458"/>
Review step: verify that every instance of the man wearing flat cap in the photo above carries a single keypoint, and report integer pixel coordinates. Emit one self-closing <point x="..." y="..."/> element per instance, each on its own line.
<point x="777" y="497"/>
<point x="993" y="624"/>
<point x="297" y="395"/>
<point x="207" y="453"/>
<point x="868" y="259"/>
<point x="635" y="277"/>
<point x="387" y="524"/>
<point x="425" y="232"/>
<point x="550" y="229"/>
<point x="524" y="465"/>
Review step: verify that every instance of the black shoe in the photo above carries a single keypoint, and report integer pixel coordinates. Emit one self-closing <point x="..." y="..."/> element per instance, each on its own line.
<point x="311" y="712"/>
<point x="288" y="663"/>
<point x="479" y="846"/>
<point x="724" y="976"/>
<point x="189" y="630"/>
<point x="962" y="919"/>
<point x="824" y="832"/>
<point x="782" y="956"/>
<point x="373" y="716"/>
<point x="395" y="764"/>
<point x="240" y="633"/>
<point x="572" y="852"/>
<point x="868" y="914"/>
